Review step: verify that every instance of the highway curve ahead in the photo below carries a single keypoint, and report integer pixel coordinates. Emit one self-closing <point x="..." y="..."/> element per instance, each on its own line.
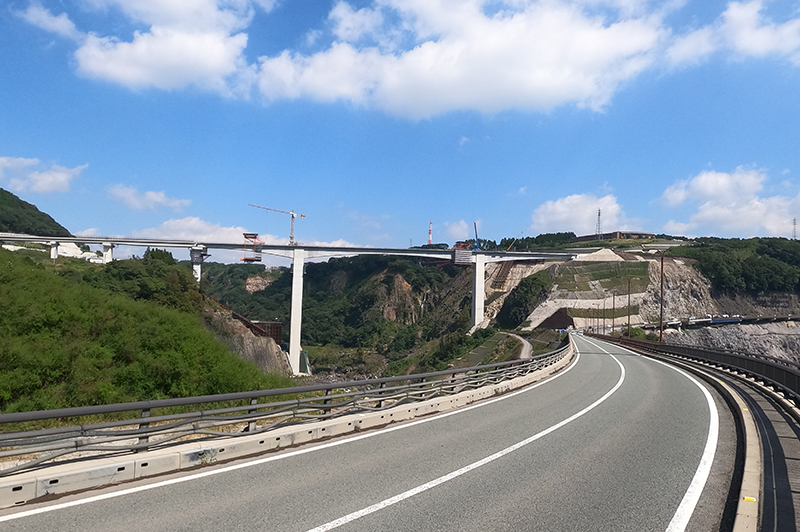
<point x="615" y="442"/>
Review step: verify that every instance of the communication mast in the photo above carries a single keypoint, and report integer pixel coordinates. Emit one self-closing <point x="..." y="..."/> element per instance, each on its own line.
<point x="430" y="233"/>
<point x="794" y="229"/>
<point x="290" y="213"/>
<point x="598" y="230"/>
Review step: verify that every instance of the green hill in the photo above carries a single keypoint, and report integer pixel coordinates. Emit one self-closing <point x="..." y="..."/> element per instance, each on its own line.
<point x="17" y="216"/>
<point x="66" y="343"/>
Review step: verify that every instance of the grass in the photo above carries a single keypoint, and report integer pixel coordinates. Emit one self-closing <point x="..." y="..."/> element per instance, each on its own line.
<point x="612" y="276"/>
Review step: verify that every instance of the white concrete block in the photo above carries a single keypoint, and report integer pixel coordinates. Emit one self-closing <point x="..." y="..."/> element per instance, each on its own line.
<point x="79" y="476"/>
<point x="155" y="464"/>
<point x="14" y="492"/>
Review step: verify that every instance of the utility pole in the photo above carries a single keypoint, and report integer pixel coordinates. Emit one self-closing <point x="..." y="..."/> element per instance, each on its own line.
<point x="629" y="307"/>
<point x="604" y="316"/>
<point x="613" y="311"/>
<point x="661" y="319"/>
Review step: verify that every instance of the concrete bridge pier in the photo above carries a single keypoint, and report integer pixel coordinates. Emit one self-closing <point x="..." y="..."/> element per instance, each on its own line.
<point x="198" y="255"/>
<point x="53" y="250"/>
<point x="478" y="291"/>
<point x="296" y="316"/>
<point x="108" y="252"/>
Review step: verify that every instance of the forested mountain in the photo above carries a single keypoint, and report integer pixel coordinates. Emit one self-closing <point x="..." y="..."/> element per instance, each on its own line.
<point x="17" y="216"/>
<point x="750" y="266"/>
<point x="391" y="306"/>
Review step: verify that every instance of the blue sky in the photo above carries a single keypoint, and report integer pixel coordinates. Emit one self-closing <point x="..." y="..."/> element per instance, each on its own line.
<point x="166" y="118"/>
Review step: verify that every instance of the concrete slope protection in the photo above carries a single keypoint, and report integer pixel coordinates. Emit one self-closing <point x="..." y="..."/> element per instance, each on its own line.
<point x="614" y="442"/>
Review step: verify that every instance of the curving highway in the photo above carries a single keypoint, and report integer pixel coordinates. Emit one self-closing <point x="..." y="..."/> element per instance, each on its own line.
<point x="615" y="442"/>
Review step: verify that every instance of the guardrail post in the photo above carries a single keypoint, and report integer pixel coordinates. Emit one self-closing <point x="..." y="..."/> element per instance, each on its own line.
<point x="144" y="439"/>
<point x="380" y="403"/>
<point x="251" y="427"/>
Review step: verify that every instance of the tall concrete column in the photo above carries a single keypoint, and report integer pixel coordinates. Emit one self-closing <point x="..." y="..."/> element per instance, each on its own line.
<point x="198" y="255"/>
<point x="296" y="318"/>
<point x="478" y="290"/>
<point x="53" y="250"/>
<point x="108" y="252"/>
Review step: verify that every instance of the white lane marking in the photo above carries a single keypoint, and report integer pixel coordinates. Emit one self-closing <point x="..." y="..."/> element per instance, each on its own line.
<point x="692" y="496"/>
<point x="291" y="454"/>
<point x="475" y="465"/>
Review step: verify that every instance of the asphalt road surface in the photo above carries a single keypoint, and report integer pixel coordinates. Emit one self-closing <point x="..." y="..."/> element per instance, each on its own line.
<point x="615" y="442"/>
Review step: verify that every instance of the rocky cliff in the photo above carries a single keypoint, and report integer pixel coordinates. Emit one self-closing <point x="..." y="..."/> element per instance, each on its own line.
<point x="263" y="351"/>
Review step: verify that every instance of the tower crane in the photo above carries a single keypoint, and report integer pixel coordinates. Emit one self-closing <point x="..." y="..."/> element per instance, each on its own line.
<point x="290" y="213"/>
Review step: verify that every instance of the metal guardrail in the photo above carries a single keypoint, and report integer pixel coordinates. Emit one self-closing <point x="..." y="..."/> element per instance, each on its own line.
<point x="783" y="375"/>
<point x="235" y="414"/>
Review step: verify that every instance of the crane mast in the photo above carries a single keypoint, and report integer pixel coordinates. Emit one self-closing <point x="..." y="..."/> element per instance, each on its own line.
<point x="290" y="213"/>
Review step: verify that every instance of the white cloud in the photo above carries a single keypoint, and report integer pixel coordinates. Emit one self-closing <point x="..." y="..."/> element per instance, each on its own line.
<point x="578" y="213"/>
<point x="56" y="179"/>
<point x="350" y="25"/>
<point x="752" y="35"/>
<point x="539" y="56"/>
<point x="730" y="204"/>
<point x="743" y="30"/>
<point x="60" y="24"/>
<point x="693" y="47"/>
<point x="457" y="230"/>
<point x="419" y="58"/>
<point x="134" y="199"/>
<point x="194" y="229"/>
<point x="15" y="162"/>
<point x="165" y="58"/>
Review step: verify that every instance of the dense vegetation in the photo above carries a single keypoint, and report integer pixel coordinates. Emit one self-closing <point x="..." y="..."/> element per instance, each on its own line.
<point x="17" y="216"/>
<point x="525" y="297"/>
<point x="365" y="301"/>
<point x="753" y="265"/>
<point x="65" y="343"/>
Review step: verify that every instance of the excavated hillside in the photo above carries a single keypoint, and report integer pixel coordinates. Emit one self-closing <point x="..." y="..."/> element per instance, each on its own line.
<point x="597" y="285"/>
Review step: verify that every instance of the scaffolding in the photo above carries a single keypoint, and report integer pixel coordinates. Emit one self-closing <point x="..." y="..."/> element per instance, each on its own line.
<point x="252" y="248"/>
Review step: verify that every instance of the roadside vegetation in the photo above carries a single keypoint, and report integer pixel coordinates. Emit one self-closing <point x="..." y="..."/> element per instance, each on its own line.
<point x="750" y="266"/>
<point x="65" y="342"/>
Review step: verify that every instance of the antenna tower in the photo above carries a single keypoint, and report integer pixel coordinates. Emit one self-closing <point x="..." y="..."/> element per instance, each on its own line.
<point x="430" y="233"/>
<point x="599" y="230"/>
<point x="794" y="229"/>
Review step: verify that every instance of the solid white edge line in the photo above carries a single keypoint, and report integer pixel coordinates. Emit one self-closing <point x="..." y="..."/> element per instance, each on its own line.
<point x="686" y="508"/>
<point x="371" y="434"/>
<point x="466" y="469"/>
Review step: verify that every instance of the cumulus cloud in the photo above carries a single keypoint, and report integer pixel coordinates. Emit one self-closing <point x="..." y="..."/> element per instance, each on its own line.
<point x="189" y="43"/>
<point x="195" y="229"/>
<point x="136" y="200"/>
<point x="60" y="25"/>
<point x="418" y="59"/>
<point x="578" y="213"/>
<point x="538" y="56"/>
<point x="731" y="204"/>
<point x="15" y="162"/>
<point x="55" y="179"/>
<point x="350" y="25"/>
<point x="743" y="30"/>
<point x="457" y="230"/>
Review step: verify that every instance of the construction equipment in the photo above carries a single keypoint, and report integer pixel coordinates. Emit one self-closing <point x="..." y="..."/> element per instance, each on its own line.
<point x="290" y="213"/>
<point x="252" y="248"/>
<point x="477" y="242"/>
